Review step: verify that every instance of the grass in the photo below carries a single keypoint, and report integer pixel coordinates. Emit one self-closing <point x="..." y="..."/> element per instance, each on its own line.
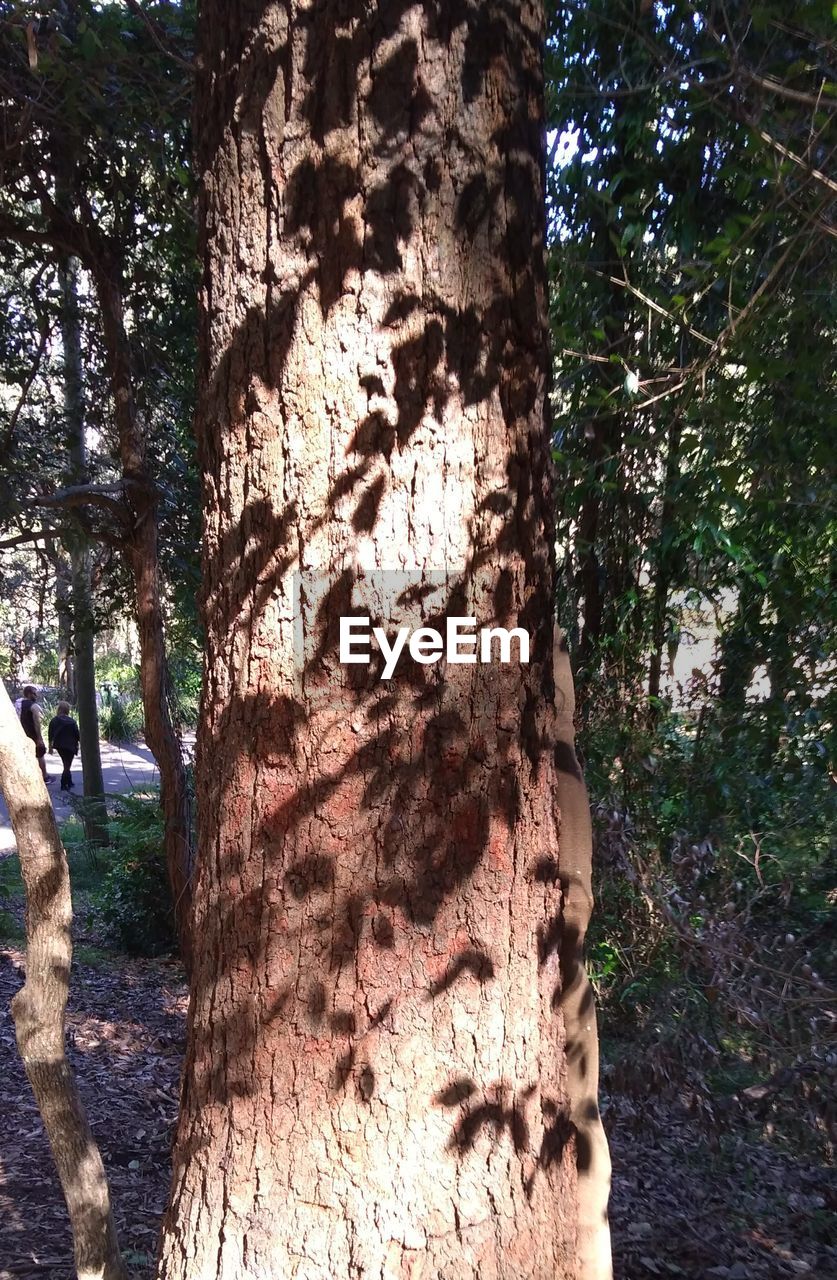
<point x="94" y="957"/>
<point x="86" y="866"/>
<point x="11" y="885"/>
<point x="10" y="930"/>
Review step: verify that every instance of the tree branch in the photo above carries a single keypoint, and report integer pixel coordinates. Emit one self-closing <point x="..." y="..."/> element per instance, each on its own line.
<point x="27" y="385"/>
<point x="797" y="160"/>
<point x="159" y="36"/>
<point x="35" y="535"/>
<point x="82" y="495"/>
<point x="784" y="91"/>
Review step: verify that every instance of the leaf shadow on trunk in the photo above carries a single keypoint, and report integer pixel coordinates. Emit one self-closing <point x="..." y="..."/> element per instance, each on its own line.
<point x="363" y="848"/>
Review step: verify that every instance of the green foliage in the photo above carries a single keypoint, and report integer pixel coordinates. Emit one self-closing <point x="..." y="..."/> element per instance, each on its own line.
<point x="133" y="897"/>
<point x="693" y="286"/>
<point x="185" y="671"/>
<point x="714" y="947"/>
<point x="116" y="158"/>
<point x="85" y="861"/>
<point x="121" y="720"/>
<point x="44" y="670"/>
<point x="116" y="670"/>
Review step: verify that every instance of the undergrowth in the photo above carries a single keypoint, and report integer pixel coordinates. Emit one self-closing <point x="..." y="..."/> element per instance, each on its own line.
<point x="712" y="947"/>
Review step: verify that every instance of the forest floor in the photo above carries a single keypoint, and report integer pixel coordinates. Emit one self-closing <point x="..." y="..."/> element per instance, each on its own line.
<point x="690" y="1199"/>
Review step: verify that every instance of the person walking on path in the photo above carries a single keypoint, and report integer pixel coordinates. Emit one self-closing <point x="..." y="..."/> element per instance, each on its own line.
<point x="31" y="718"/>
<point x="63" y="737"/>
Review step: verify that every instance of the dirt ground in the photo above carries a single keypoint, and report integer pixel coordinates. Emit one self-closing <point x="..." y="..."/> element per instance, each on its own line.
<point x="688" y="1200"/>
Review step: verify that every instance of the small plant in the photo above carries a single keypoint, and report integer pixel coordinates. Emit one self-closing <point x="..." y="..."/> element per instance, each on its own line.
<point x="121" y="721"/>
<point x="134" y="896"/>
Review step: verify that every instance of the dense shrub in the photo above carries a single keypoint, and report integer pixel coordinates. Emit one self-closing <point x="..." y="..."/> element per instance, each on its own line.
<point x="121" y="721"/>
<point x="134" y="897"/>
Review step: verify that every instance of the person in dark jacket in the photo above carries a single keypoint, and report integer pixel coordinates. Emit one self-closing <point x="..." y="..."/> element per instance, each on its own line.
<point x="64" y="738"/>
<point x="30" y="718"/>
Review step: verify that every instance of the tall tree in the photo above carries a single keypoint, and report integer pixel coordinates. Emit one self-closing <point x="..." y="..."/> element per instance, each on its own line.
<point x="81" y="567"/>
<point x="376" y="1079"/>
<point x="108" y="89"/>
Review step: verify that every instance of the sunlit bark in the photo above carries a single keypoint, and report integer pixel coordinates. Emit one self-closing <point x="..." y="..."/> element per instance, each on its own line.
<point x="39" y="1007"/>
<point x="376" y="1080"/>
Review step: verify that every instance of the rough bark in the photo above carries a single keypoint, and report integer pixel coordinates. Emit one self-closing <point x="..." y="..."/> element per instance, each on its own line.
<point x="94" y="813"/>
<point x="375" y="1078"/>
<point x="142" y="550"/>
<point x="39" y="1007"/>
<point x="577" y="999"/>
<point x="64" y="611"/>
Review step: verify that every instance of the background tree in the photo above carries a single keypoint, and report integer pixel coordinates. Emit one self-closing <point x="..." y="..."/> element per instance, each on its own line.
<point x="95" y="104"/>
<point x="693" y="231"/>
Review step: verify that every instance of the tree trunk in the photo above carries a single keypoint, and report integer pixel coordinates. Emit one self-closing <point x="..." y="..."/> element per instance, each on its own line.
<point x="662" y="575"/>
<point x="93" y="811"/>
<point x="375" y="1082"/>
<point x="577" y="999"/>
<point x="39" y="1007"/>
<point x="64" y="613"/>
<point x="741" y="646"/>
<point x="142" y="548"/>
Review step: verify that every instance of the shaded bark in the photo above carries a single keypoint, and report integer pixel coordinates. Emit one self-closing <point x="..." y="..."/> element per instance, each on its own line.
<point x="39" y="1007"/>
<point x="577" y="998"/>
<point x="662" y="576"/>
<point x="64" y="612"/>
<point x="375" y="1081"/>
<point x="93" y="811"/>
<point x="741" y="648"/>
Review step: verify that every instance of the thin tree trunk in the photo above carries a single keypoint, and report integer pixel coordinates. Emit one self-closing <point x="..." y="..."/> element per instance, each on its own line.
<point x="142" y="539"/>
<point x="662" y="577"/>
<point x="741" y="648"/>
<point x="64" y="611"/>
<point x="577" y="998"/>
<point x="93" y="811"/>
<point x="375" y="1082"/>
<point x="39" y="1007"/>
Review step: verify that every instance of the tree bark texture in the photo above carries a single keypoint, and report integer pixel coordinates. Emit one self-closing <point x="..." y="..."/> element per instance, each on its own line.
<point x="577" y="999"/>
<point x="39" y="1007"/>
<point x="375" y="1082"/>
<point x="64" y="612"/>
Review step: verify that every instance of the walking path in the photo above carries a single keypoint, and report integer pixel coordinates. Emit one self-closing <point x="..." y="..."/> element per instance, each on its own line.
<point x="124" y="767"/>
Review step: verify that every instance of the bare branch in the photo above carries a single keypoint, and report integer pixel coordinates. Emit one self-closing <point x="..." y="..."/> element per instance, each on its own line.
<point x="784" y="91"/>
<point x="82" y="495"/>
<point x="785" y="152"/>
<point x="158" y="35"/>
<point x="655" y="306"/>
<point x="34" y="535"/>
